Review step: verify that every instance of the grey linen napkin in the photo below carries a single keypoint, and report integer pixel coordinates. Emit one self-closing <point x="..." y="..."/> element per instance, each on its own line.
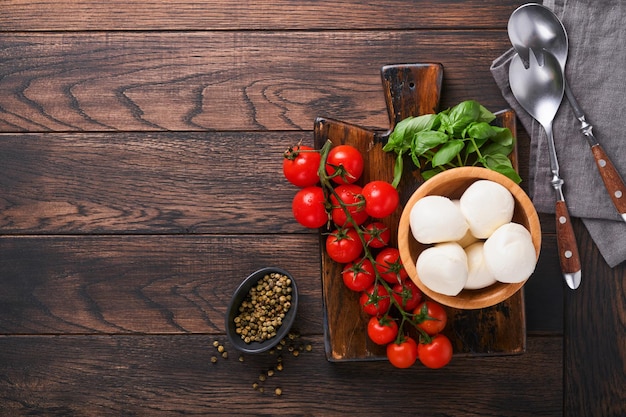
<point x="596" y="73"/>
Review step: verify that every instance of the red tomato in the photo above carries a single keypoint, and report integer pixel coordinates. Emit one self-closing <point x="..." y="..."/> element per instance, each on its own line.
<point x="407" y="295"/>
<point x="359" y="276"/>
<point x="344" y="245"/>
<point x="382" y="330"/>
<point x="376" y="235"/>
<point x="437" y="353"/>
<point x="434" y="316"/>
<point x="389" y="266"/>
<point x="375" y="300"/>
<point x="350" y="195"/>
<point x="346" y="162"/>
<point x="403" y="354"/>
<point x="309" y="207"/>
<point x="381" y="199"/>
<point x="300" y="166"/>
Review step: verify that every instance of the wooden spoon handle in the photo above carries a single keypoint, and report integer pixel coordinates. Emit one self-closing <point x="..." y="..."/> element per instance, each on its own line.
<point x="567" y="247"/>
<point x="612" y="180"/>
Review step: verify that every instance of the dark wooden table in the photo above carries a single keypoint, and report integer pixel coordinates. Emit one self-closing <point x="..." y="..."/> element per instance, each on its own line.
<point x="140" y="181"/>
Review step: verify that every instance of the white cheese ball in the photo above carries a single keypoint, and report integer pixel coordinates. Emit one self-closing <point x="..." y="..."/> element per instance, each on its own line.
<point x="486" y="205"/>
<point x="436" y="219"/>
<point x="443" y="268"/>
<point x="479" y="276"/>
<point x="468" y="238"/>
<point x="510" y="254"/>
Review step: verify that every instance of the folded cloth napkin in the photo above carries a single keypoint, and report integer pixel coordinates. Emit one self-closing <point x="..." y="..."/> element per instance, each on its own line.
<point x="596" y="74"/>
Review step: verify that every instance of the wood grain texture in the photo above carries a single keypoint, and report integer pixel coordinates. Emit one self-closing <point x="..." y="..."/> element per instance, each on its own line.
<point x="146" y="183"/>
<point x="81" y="15"/>
<point x="143" y="284"/>
<point x="117" y="122"/>
<point x="127" y="81"/>
<point x="173" y="375"/>
<point x="595" y="326"/>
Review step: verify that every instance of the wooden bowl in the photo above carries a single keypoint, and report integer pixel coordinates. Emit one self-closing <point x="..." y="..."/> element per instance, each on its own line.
<point x="452" y="183"/>
<point x="238" y="297"/>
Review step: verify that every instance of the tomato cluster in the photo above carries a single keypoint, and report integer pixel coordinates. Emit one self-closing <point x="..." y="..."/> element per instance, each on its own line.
<point x="359" y="240"/>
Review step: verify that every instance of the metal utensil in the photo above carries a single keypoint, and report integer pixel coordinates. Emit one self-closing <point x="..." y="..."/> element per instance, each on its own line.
<point x="535" y="27"/>
<point x="539" y="90"/>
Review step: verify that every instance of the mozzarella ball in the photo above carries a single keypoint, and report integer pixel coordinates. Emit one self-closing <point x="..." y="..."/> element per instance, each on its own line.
<point x="510" y="254"/>
<point x="443" y="268"/>
<point x="486" y="205"/>
<point x="436" y="219"/>
<point x="468" y="238"/>
<point x="479" y="276"/>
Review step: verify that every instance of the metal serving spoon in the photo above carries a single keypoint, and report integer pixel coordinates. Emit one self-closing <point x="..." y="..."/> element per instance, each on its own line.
<point x="539" y="90"/>
<point x="535" y="27"/>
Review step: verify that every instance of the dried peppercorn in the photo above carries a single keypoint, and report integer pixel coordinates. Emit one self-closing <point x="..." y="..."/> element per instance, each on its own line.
<point x="262" y="312"/>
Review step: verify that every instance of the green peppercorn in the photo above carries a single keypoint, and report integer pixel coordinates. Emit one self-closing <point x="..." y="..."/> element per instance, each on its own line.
<point x="263" y="310"/>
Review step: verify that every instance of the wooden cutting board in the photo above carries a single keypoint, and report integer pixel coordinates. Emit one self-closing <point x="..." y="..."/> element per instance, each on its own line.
<point x="410" y="90"/>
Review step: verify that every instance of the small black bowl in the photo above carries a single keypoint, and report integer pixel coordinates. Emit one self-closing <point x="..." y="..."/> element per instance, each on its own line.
<point x="233" y="310"/>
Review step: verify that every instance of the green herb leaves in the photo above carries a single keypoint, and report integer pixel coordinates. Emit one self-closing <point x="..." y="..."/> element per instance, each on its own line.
<point x="459" y="136"/>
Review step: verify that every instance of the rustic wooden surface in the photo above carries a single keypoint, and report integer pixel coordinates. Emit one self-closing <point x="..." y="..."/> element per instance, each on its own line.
<point x="140" y="181"/>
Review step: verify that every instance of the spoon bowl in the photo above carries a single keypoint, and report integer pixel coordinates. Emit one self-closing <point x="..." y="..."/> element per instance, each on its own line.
<point x="539" y="88"/>
<point x="535" y="27"/>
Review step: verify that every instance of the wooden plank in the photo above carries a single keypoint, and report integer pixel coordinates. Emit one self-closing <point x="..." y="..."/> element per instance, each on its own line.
<point x="163" y="182"/>
<point x="595" y="330"/>
<point x="198" y="81"/>
<point x="173" y="375"/>
<point x="146" y="183"/>
<point x="544" y="291"/>
<point x="143" y="284"/>
<point x="43" y="277"/>
<point x="81" y="15"/>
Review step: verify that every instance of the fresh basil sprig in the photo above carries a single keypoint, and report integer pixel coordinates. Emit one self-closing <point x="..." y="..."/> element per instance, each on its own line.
<point x="459" y="136"/>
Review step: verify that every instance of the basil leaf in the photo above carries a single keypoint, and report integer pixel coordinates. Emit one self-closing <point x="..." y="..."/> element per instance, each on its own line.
<point x="462" y="115"/>
<point x="397" y="141"/>
<point x="447" y="152"/>
<point x="428" y="174"/>
<point x="416" y="160"/>
<point x="423" y="122"/>
<point x="504" y="166"/>
<point x="427" y="139"/>
<point x="493" y="149"/>
<point x="502" y="135"/>
<point x="485" y="115"/>
<point x="480" y="130"/>
<point x="398" y="168"/>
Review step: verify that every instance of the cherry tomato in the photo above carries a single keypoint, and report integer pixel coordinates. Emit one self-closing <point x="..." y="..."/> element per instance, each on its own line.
<point x="403" y="354"/>
<point x="435" y="317"/>
<point x="359" y="276"/>
<point x="381" y="199"/>
<point x="309" y="207"/>
<point x="300" y="166"/>
<point x="437" y="353"/>
<point x="382" y="330"/>
<point x="375" y="300"/>
<point x="349" y="194"/>
<point x="407" y="295"/>
<point x="343" y="245"/>
<point x="347" y="162"/>
<point x="376" y="235"/>
<point x="390" y="267"/>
